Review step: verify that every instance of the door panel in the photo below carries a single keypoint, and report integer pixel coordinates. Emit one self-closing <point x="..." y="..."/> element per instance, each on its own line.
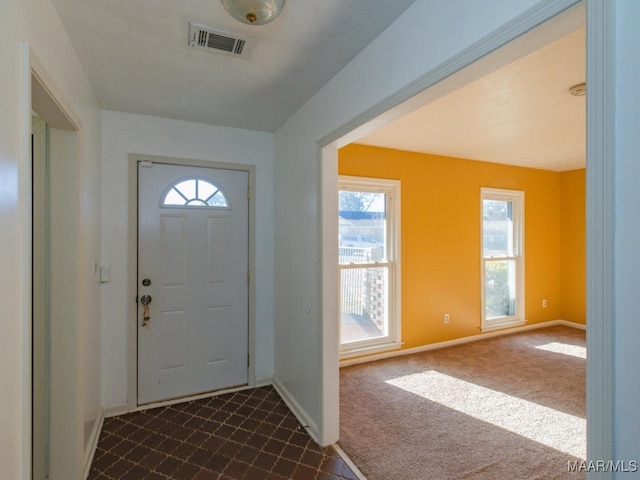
<point x="217" y="320"/>
<point x="195" y="253"/>
<point x="173" y="250"/>
<point x="218" y="255"/>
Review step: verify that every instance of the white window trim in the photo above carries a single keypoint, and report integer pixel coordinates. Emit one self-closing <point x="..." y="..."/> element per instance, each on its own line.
<point x="174" y="185"/>
<point x="517" y="197"/>
<point x="391" y="188"/>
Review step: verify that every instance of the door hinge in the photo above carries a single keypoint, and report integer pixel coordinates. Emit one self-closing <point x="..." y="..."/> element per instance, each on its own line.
<point x="248" y="194"/>
<point x="248" y="360"/>
<point x="248" y="277"/>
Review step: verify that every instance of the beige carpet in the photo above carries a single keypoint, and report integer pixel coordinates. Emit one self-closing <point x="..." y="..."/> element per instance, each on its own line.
<point x="510" y="407"/>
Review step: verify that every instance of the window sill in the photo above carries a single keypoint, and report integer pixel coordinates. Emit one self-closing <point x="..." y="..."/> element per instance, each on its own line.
<point x="502" y="325"/>
<point x="360" y="351"/>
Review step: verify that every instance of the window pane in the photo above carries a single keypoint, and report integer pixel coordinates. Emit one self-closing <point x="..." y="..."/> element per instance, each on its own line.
<point x="205" y="189"/>
<point x="174" y="198"/>
<point x="497" y="228"/>
<point x="362" y="227"/>
<point x="187" y="188"/>
<point x="195" y="193"/>
<point x="364" y="301"/>
<point x="500" y="288"/>
<point x="218" y="200"/>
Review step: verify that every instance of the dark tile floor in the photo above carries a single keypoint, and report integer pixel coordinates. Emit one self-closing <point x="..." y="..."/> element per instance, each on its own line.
<point x="244" y="435"/>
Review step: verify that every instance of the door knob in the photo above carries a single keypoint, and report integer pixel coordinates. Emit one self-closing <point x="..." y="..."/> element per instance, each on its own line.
<point x="145" y="299"/>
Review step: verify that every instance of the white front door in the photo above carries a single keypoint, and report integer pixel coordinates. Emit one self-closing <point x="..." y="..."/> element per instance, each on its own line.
<point x="193" y="236"/>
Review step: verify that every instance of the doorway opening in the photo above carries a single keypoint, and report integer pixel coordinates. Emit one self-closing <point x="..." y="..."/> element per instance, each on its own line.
<point x="518" y="47"/>
<point x="56" y="420"/>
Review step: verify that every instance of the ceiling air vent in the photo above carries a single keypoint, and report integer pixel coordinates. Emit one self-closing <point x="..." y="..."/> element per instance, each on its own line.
<point x="212" y="39"/>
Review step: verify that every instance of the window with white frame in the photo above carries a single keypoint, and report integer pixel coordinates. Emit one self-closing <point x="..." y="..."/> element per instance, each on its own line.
<point x="502" y="258"/>
<point x="194" y="192"/>
<point x="369" y="264"/>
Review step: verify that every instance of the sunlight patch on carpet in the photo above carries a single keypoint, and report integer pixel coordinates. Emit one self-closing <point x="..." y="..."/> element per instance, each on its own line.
<point x="560" y="431"/>
<point x="565" y="349"/>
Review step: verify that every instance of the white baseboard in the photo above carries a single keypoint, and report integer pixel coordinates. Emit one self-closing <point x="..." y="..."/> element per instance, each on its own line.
<point x="305" y="420"/>
<point x="93" y="443"/>
<point x="566" y="323"/>
<point x="115" y="410"/>
<point x="264" y="382"/>
<point x="459" y="341"/>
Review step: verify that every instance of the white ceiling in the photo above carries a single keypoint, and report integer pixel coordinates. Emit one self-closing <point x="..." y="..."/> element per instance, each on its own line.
<point x="521" y="114"/>
<point x="136" y="55"/>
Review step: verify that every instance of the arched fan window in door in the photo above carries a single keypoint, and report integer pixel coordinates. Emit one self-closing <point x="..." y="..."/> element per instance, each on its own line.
<point x="194" y="192"/>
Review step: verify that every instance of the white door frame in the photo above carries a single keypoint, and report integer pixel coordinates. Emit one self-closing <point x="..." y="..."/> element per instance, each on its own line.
<point x="132" y="275"/>
<point x="66" y="454"/>
<point x="599" y="196"/>
<point x="41" y="303"/>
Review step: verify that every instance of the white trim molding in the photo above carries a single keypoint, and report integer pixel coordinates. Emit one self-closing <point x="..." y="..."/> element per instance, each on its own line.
<point x="515" y="255"/>
<point x="92" y="444"/>
<point x="600" y="231"/>
<point x="25" y="207"/>
<point x="391" y="189"/>
<point x="303" y="417"/>
<point x="354" y="468"/>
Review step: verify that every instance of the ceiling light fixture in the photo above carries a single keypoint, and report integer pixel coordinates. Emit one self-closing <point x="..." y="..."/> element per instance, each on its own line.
<point x="253" y="12"/>
<point x="579" y="90"/>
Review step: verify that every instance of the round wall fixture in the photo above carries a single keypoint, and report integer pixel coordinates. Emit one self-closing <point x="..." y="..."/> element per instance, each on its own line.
<point x="254" y="12"/>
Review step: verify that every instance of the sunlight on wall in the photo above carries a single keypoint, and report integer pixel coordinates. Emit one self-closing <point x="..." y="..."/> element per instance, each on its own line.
<point x="560" y="431"/>
<point x="565" y="349"/>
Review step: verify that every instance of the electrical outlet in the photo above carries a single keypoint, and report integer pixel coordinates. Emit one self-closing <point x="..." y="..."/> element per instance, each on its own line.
<point x="544" y="303"/>
<point x="446" y="318"/>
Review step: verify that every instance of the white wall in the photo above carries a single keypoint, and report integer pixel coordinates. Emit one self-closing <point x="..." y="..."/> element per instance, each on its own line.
<point x="126" y="133"/>
<point x="627" y="234"/>
<point x="425" y="36"/>
<point x="36" y="22"/>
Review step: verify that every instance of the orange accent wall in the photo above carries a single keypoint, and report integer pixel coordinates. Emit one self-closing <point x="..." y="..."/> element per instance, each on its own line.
<point x="573" y="247"/>
<point x="441" y="238"/>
